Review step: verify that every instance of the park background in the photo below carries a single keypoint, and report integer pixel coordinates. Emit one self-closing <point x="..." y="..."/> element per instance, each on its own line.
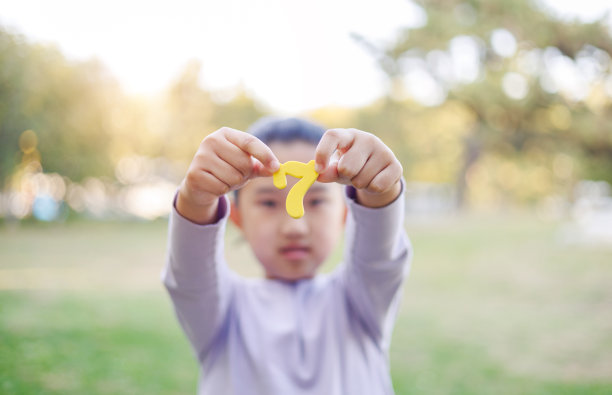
<point x="500" y="112"/>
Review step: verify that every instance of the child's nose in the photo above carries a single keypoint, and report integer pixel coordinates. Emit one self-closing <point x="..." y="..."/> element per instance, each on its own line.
<point x="294" y="227"/>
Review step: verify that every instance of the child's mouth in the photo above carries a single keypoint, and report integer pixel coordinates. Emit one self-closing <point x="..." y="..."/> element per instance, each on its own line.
<point x="295" y="253"/>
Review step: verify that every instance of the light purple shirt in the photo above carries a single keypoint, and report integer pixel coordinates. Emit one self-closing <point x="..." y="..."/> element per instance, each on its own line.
<point x="327" y="335"/>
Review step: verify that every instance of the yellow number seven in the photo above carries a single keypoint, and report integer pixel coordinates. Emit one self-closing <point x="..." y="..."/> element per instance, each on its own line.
<point x="308" y="175"/>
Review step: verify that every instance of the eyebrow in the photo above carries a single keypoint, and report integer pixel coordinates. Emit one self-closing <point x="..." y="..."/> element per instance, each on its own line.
<point x="267" y="190"/>
<point x="264" y="190"/>
<point x="318" y="188"/>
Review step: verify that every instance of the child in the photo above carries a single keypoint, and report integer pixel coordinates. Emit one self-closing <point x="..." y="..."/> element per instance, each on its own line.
<point x="293" y="332"/>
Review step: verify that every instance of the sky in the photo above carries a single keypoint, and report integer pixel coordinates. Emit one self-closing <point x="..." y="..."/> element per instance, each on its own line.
<point x="291" y="55"/>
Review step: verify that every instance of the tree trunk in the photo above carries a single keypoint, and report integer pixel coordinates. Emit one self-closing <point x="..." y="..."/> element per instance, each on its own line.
<point x="472" y="149"/>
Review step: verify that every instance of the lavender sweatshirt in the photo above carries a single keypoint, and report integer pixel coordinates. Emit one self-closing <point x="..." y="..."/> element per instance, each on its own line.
<point x="327" y="335"/>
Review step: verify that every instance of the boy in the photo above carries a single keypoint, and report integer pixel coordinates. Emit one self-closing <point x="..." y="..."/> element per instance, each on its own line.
<point x="293" y="332"/>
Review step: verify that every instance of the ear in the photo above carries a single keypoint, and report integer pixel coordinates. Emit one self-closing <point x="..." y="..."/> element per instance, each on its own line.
<point x="235" y="215"/>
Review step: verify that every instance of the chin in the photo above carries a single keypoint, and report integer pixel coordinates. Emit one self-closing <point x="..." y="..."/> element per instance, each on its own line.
<point x="293" y="277"/>
<point x="291" y="271"/>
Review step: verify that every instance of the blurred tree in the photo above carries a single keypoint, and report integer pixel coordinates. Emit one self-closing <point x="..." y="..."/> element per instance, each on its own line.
<point x="188" y="113"/>
<point x="239" y="112"/>
<point x="65" y="104"/>
<point x="78" y="123"/>
<point x="191" y="113"/>
<point x="13" y="54"/>
<point x="535" y="86"/>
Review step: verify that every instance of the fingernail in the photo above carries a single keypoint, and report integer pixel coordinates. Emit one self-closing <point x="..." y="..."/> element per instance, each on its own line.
<point x="275" y="165"/>
<point x="319" y="167"/>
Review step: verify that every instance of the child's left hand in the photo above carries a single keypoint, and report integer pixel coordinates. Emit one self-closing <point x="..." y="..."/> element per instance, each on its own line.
<point x="363" y="161"/>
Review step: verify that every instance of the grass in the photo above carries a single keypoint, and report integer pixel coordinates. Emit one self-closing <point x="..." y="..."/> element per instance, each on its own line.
<point x="96" y="344"/>
<point x="494" y="305"/>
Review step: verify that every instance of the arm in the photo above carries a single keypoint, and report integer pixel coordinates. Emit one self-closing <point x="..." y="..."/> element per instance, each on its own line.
<point x="197" y="278"/>
<point x="377" y="251"/>
<point x="195" y="275"/>
<point x="377" y="256"/>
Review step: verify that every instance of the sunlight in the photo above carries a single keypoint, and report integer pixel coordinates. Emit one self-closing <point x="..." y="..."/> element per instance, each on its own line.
<point x="293" y="57"/>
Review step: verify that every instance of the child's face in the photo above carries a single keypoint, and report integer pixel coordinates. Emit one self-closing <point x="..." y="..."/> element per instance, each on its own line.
<point x="290" y="249"/>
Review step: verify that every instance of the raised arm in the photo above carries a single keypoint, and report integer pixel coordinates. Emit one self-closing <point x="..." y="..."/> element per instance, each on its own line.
<point x="377" y="251"/>
<point x="377" y="254"/>
<point x="195" y="275"/>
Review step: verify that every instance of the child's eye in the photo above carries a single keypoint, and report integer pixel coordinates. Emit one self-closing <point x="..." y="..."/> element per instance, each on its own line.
<point x="267" y="203"/>
<point x="315" y="202"/>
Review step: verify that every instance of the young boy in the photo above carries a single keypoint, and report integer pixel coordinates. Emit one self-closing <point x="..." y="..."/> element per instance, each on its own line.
<point x="293" y="332"/>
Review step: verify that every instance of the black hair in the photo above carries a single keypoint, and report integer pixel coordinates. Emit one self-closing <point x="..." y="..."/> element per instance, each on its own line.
<point x="285" y="130"/>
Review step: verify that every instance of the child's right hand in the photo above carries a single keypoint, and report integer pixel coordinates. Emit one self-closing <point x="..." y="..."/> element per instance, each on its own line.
<point x="225" y="161"/>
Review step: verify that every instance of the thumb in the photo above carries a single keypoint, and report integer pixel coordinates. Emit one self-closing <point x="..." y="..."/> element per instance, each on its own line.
<point x="259" y="170"/>
<point x="330" y="174"/>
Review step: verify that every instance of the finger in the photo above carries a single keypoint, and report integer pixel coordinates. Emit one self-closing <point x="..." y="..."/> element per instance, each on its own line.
<point x="253" y="146"/>
<point x="386" y="178"/>
<point x="352" y="162"/>
<point x="225" y="172"/>
<point x="373" y="166"/>
<point x="201" y="181"/>
<point x="330" y="174"/>
<point x="259" y="170"/>
<point x="237" y="158"/>
<point x="332" y="140"/>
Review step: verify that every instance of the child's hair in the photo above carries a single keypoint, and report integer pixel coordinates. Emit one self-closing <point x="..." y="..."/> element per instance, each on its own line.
<point x="285" y="130"/>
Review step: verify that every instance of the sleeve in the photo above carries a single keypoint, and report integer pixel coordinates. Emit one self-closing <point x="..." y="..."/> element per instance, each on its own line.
<point x="377" y="256"/>
<point x="197" y="278"/>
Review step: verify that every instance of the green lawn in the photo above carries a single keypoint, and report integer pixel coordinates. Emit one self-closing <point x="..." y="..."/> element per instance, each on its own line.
<point x="494" y="305"/>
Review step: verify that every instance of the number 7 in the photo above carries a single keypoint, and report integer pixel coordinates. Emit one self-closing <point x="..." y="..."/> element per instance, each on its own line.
<point x="294" y="204"/>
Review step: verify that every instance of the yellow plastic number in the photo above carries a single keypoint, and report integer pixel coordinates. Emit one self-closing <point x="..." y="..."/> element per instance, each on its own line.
<point x="308" y="175"/>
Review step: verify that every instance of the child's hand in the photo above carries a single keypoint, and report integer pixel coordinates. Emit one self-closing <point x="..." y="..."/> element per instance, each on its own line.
<point x="225" y="160"/>
<point x="363" y="161"/>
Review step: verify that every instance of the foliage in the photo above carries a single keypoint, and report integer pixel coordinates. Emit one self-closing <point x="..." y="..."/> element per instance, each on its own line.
<point x="496" y="98"/>
<point x="65" y="104"/>
<point x="191" y="113"/>
<point x="519" y="110"/>
<point x="80" y="124"/>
